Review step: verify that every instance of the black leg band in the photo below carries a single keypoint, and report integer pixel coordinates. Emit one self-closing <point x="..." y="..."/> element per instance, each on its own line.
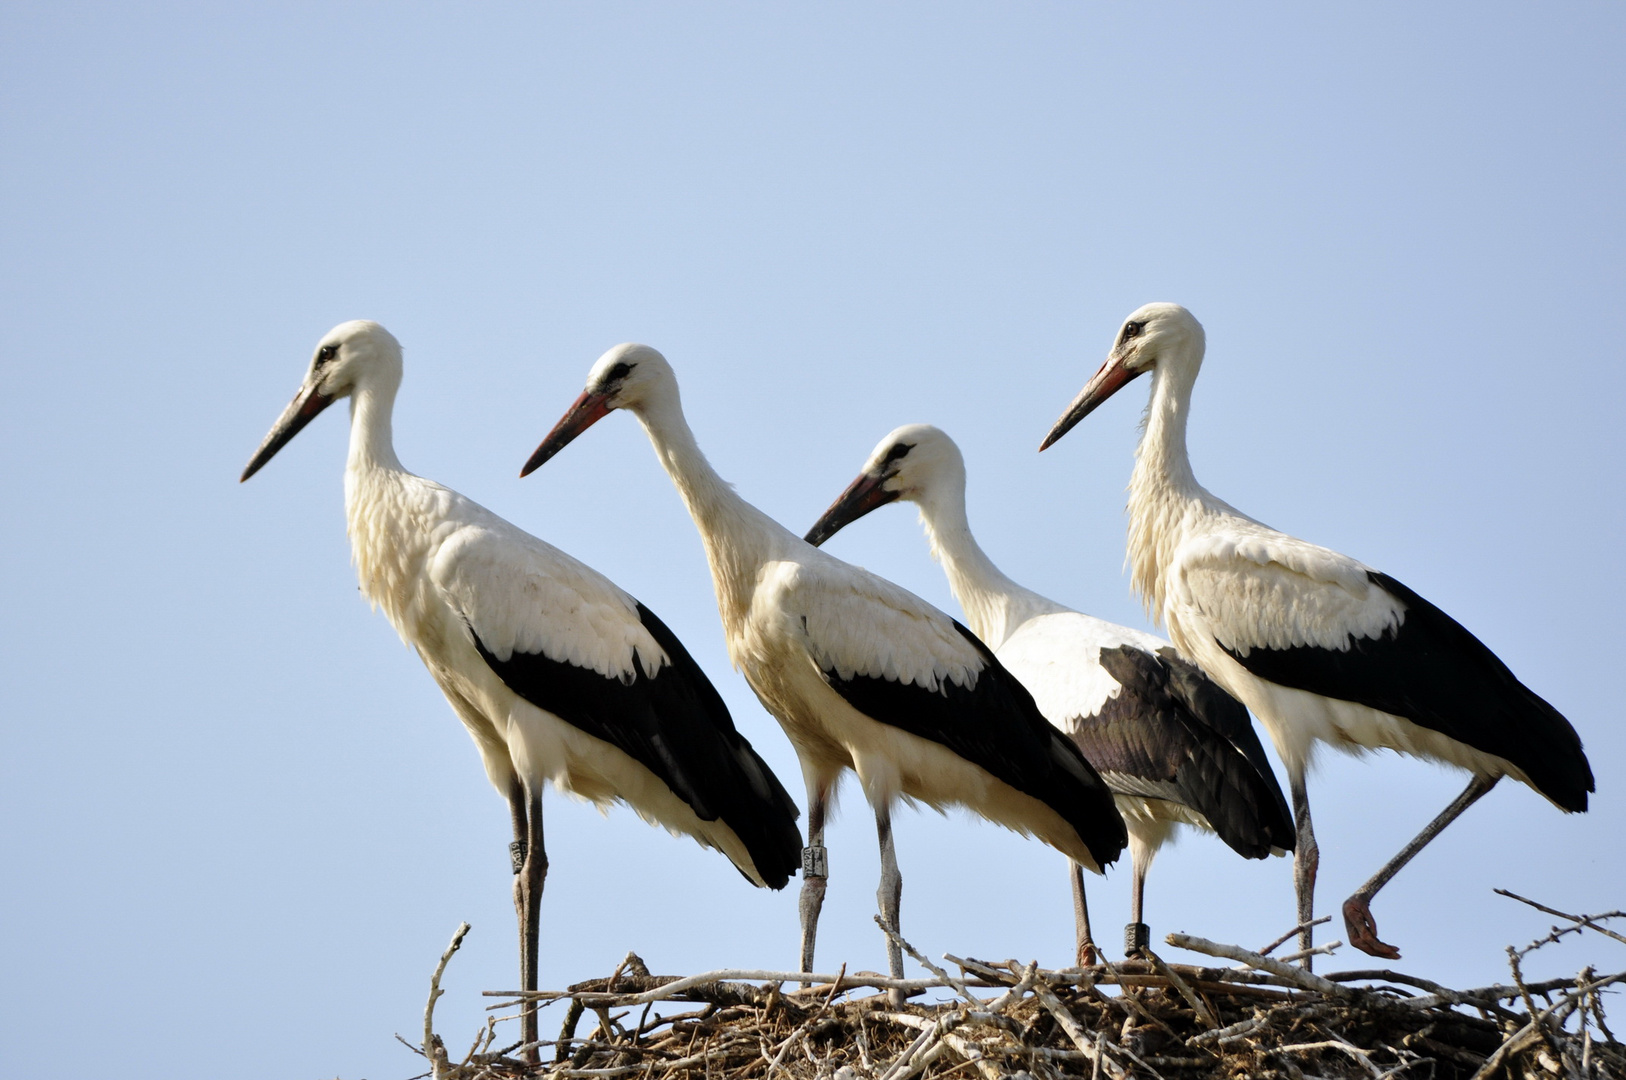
<point x="1137" y="936"/>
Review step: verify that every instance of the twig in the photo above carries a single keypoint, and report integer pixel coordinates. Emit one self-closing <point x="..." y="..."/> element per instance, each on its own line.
<point x="1583" y="920"/>
<point x="1090" y="1048"/>
<point x="1030" y="975"/>
<point x="807" y="1027"/>
<point x="1385" y="975"/>
<point x="433" y="1048"/>
<point x="676" y="987"/>
<point x="1204" y="1015"/>
<point x="1528" y="1032"/>
<point x="906" y="1064"/>
<point x="1319" y="950"/>
<point x="973" y="1055"/>
<point x="1524" y="992"/>
<point x="897" y="938"/>
<point x="1220" y="1036"/>
<point x="1300" y="928"/>
<point x="1130" y="1001"/>
<point x="1297" y="976"/>
<point x="1362" y="1056"/>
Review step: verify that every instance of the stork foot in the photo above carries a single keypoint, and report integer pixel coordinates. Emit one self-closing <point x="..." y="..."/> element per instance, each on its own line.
<point x="1088" y="954"/>
<point x="1363" y="930"/>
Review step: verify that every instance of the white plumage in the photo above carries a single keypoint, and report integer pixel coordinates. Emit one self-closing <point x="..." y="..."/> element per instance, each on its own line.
<point x="557" y="674"/>
<point x="1322" y="648"/>
<point x="860" y="673"/>
<point x="1057" y="657"/>
<point x="1173" y="747"/>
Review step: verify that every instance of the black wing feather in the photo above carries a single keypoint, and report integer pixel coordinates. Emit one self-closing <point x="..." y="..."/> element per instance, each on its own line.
<point x="1171" y="724"/>
<point x="676" y="725"/>
<point x="997" y="726"/>
<point x="1435" y="673"/>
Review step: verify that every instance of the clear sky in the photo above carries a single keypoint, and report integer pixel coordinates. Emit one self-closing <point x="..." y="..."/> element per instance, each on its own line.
<point x="240" y="821"/>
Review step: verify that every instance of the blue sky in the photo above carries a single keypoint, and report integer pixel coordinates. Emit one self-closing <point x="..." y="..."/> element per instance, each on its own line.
<point x="241" y="822"/>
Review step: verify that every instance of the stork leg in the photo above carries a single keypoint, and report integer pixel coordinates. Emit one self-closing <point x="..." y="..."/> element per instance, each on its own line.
<point x="1088" y="954"/>
<point x="1358" y="921"/>
<point x="889" y="896"/>
<point x="1137" y="936"/>
<point x="530" y="861"/>
<point x="1306" y="860"/>
<point x="815" y="871"/>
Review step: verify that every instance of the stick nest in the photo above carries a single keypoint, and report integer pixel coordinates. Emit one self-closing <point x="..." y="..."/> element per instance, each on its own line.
<point x="1264" y="1018"/>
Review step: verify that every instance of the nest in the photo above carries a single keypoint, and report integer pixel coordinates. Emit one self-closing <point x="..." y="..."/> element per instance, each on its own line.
<point x="1264" y="1018"/>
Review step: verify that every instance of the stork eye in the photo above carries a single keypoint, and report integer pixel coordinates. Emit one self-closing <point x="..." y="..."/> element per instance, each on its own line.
<point x="897" y="451"/>
<point x="619" y="372"/>
<point x="326" y="353"/>
<point x="1133" y="330"/>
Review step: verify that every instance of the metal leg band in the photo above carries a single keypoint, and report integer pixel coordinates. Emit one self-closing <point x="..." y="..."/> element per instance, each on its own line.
<point x="516" y="855"/>
<point x="815" y="862"/>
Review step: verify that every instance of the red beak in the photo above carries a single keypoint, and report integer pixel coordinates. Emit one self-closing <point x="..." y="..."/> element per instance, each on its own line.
<point x="588" y="410"/>
<point x="1113" y="376"/>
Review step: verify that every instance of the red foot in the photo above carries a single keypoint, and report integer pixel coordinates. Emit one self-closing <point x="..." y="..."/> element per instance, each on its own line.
<point x="1363" y="930"/>
<point x="1087" y="955"/>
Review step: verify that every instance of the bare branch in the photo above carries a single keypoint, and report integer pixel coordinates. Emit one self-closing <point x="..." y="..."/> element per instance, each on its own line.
<point x="433" y="1048"/>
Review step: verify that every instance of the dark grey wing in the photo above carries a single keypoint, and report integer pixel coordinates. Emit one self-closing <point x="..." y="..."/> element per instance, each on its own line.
<point x="1171" y="733"/>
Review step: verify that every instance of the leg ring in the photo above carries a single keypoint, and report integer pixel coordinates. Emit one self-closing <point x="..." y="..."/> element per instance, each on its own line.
<point x="1137" y="936"/>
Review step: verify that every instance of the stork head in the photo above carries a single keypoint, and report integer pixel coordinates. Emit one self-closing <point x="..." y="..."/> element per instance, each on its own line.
<point x="629" y="376"/>
<point x="349" y="355"/>
<point x="1156" y="334"/>
<point x="916" y="463"/>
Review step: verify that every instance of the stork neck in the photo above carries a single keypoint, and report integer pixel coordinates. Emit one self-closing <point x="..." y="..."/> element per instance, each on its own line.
<point x="1164" y="496"/>
<point x="994" y="605"/>
<point x="1162" y="449"/>
<point x="706" y="494"/>
<point x="372" y="437"/>
<point x="387" y="550"/>
<point x="737" y="536"/>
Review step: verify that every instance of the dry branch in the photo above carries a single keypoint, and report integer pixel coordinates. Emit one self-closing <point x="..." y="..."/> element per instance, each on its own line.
<point x="1133" y="1020"/>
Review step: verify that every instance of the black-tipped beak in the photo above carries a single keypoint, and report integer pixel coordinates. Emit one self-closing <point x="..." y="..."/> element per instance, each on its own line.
<point x="861" y="496"/>
<point x="301" y="411"/>
<point x="1114" y="375"/>
<point x="588" y="410"/>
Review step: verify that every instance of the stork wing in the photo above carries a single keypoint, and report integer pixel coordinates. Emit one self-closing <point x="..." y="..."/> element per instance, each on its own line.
<point x="1259" y="589"/>
<point x="1153" y="725"/>
<point x="900" y="661"/>
<point x="1308" y="618"/>
<point x="566" y="639"/>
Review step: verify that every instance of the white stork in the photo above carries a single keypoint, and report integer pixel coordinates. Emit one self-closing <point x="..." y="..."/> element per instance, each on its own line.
<point x="1174" y="748"/>
<point x="1322" y="648"/>
<point x="860" y="673"/>
<point x="557" y="674"/>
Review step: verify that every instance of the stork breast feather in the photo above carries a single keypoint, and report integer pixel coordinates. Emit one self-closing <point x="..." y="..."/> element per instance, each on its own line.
<point x="1277" y="592"/>
<point x="526" y="596"/>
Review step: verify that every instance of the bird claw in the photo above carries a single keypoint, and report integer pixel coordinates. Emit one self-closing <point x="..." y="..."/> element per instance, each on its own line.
<point x="1088" y="955"/>
<point x="1363" y="930"/>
